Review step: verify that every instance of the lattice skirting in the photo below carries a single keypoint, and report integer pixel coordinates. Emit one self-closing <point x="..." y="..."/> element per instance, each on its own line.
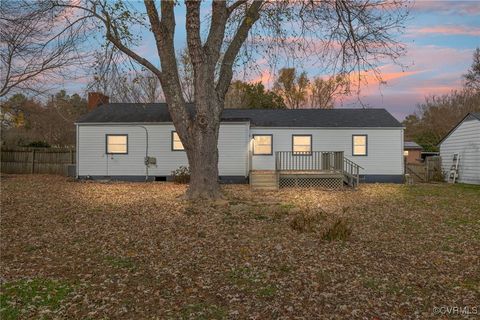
<point x="326" y="183"/>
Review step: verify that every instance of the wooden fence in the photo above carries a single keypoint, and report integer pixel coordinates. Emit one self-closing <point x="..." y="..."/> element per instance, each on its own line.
<point x="430" y="170"/>
<point x="36" y="160"/>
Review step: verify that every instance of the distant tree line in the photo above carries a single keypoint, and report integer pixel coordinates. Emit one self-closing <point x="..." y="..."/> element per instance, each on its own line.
<point x="436" y="116"/>
<point x="30" y="122"/>
<point x="27" y="121"/>
<point x="291" y="89"/>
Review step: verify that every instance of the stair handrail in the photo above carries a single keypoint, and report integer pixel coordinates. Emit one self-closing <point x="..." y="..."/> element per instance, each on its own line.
<point x="352" y="169"/>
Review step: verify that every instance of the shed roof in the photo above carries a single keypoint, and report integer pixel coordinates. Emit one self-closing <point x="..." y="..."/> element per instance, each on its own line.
<point x="158" y="112"/>
<point x="411" y="145"/>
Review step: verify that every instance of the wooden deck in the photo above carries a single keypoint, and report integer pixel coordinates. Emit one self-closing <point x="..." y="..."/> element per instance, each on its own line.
<point x="324" y="169"/>
<point x="273" y="180"/>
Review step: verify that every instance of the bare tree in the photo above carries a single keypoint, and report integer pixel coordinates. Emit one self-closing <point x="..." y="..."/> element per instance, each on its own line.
<point x="324" y="92"/>
<point x="438" y="114"/>
<point x="435" y="117"/>
<point x="34" y="50"/>
<point x="349" y="35"/>
<point x="135" y="86"/>
<point x="472" y="77"/>
<point x="244" y="95"/>
<point x="292" y="87"/>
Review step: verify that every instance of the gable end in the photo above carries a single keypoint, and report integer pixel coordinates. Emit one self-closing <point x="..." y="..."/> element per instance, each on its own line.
<point x="473" y="116"/>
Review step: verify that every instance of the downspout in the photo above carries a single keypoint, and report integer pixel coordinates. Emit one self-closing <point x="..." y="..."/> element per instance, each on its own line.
<point x="77" y="146"/>
<point x="146" y="152"/>
<point x="402" y="151"/>
<point x="249" y="151"/>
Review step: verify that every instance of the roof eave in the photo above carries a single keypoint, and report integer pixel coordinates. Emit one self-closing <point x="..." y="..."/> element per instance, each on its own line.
<point x="456" y="126"/>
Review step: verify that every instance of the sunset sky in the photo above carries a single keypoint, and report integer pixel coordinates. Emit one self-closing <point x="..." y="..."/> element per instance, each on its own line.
<point x="440" y="37"/>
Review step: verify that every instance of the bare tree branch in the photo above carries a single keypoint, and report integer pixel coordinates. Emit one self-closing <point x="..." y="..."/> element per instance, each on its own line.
<point x="226" y="69"/>
<point x="34" y="48"/>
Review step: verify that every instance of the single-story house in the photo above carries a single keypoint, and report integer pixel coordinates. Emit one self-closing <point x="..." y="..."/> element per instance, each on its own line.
<point x="463" y="143"/>
<point x="114" y="140"/>
<point x="412" y="152"/>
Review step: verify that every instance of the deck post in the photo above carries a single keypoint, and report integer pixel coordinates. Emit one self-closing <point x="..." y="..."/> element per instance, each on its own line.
<point x="276" y="161"/>
<point x="357" y="175"/>
<point x="338" y="161"/>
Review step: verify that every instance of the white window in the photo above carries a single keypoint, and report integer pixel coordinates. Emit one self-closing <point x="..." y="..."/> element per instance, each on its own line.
<point x="359" y="145"/>
<point x="117" y="144"/>
<point x="405" y="153"/>
<point x="302" y="144"/>
<point x="176" y="142"/>
<point x="262" y="144"/>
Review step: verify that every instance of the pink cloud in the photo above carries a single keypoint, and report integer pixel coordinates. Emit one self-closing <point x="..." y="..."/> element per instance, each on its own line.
<point x="447" y="30"/>
<point x="436" y="58"/>
<point x="457" y="7"/>
<point x="387" y="75"/>
<point x="266" y="76"/>
<point x="425" y="91"/>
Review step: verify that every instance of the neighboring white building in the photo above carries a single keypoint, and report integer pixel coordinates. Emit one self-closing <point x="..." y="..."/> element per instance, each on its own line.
<point x="114" y="139"/>
<point x="464" y="140"/>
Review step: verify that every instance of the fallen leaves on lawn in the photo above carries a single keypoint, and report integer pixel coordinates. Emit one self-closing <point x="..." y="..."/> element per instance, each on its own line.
<point x="138" y="250"/>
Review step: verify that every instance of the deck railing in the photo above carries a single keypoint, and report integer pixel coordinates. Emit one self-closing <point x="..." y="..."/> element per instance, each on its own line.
<point x="309" y="161"/>
<point x="352" y="170"/>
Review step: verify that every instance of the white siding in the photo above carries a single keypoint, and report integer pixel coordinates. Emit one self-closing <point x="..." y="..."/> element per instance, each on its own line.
<point x="385" y="147"/>
<point x="93" y="161"/>
<point x="464" y="140"/>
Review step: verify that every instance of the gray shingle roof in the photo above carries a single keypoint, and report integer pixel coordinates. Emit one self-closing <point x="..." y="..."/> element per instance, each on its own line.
<point x="157" y="112"/>
<point x="411" y="145"/>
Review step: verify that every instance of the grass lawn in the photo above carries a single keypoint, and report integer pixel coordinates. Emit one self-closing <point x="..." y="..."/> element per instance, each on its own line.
<point x="138" y="251"/>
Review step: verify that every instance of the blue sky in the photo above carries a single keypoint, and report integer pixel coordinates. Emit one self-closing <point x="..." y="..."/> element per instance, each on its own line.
<point x="440" y="37"/>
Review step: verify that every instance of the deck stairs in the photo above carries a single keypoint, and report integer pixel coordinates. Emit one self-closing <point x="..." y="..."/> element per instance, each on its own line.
<point x="350" y="180"/>
<point x="264" y="180"/>
<point x="351" y="173"/>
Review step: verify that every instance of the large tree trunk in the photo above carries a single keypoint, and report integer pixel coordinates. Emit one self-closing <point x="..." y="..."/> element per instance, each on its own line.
<point x="201" y="147"/>
<point x="203" y="160"/>
<point x="199" y="135"/>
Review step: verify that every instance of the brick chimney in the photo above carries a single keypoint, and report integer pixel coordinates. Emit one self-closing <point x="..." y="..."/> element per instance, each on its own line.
<point x="96" y="99"/>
